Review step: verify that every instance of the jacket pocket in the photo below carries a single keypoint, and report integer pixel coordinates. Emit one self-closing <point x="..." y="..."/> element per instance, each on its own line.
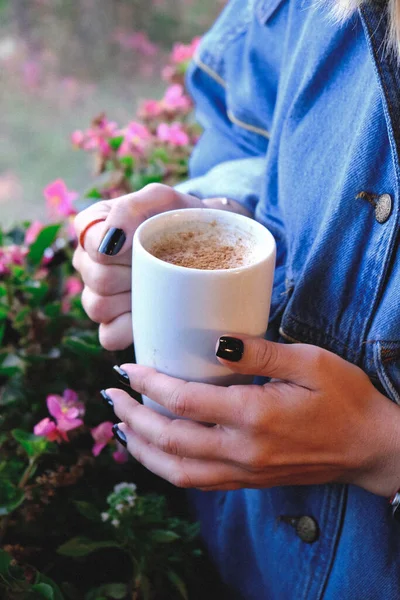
<point x="266" y="9"/>
<point x="387" y="365"/>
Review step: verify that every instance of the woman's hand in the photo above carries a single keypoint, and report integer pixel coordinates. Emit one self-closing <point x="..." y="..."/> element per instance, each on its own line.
<point x="320" y="420"/>
<point x="105" y="261"/>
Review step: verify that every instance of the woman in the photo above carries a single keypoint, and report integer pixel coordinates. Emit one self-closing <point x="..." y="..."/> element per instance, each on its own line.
<point x="302" y="132"/>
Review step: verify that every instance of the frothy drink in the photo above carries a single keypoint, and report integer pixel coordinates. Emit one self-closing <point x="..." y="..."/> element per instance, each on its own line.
<point x="204" y="245"/>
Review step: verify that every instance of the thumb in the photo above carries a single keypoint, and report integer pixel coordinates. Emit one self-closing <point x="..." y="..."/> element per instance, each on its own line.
<point x="256" y="356"/>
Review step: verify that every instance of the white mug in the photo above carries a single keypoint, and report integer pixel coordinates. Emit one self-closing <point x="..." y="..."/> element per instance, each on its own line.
<point x="179" y="313"/>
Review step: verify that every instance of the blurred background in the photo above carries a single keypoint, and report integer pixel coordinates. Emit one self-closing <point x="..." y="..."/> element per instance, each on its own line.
<point x="62" y="62"/>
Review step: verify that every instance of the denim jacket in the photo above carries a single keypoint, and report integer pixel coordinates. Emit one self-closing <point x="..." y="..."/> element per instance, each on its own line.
<point x="301" y="122"/>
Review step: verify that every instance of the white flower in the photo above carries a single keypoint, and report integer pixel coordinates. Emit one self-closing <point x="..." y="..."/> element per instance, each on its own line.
<point x="105" y="516"/>
<point x="130" y="500"/>
<point x="115" y="522"/>
<point x="119" y="508"/>
<point x="124" y="485"/>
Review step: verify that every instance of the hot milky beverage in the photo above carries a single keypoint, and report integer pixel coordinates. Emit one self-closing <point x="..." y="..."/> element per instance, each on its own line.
<point x="207" y="246"/>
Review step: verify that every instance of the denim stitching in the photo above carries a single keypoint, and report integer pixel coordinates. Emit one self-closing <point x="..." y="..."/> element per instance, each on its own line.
<point x="247" y="126"/>
<point x="213" y="74"/>
<point x="383" y="376"/>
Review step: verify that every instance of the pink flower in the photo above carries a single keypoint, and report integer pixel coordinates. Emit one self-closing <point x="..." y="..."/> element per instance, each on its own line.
<point x="183" y="53"/>
<point x="47" y="428"/>
<point x="121" y="456"/>
<point x="175" y="99"/>
<point x="11" y="255"/>
<point x="73" y="286"/>
<point x="66" y="410"/>
<point x="96" y="137"/>
<point x="102" y="435"/>
<point x="167" y="73"/>
<point x="59" y="200"/>
<point x="32" y="232"/>
<point x="172" y="134"/>
<point x="150" y="109"/>
<point x="136" y="139"/>
<point x="77" y="138"/>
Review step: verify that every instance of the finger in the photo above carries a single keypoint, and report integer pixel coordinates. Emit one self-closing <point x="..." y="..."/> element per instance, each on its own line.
<point x="197" y="401"/>
<point x="95" y="233"/>
<point x="173" y="436"/>
<point x="297" y="363"/>
<point x="104" y="280"/>
<point x="128" y="212"/>
<point x="104" y="309"/>
<point x="117" y="335"/>
<point x="182" y="472"/>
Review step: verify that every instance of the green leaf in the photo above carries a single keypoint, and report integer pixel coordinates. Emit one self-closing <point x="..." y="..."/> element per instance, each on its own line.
<point x="116" y="591"/>
<point x="37" y="290"/>
<point x="81" y="347"/>
<point x="45" y="590"/>
<point x="5" y="560"/>
<point x="3" y="290"/>
<point x="162" y="536"/>
<point x="2" y="332"/>
<point x="52" y="310"/>
<point x="3" y="311"/>
<point x="82" y="546"/>
<point x="160" y="154"/>
<point x="88" y="510"/>
<point x="128" y="164"/>
<point x="57" y="595"/>
<point x="116" y="142"/>
<point x="178" y="584"/>
<point x="93" y="193"/>
<point x="33" y="445"/>
<point x="21" y="316"/>
<point x="11" y="497"/>
<point x="43" y="241"/>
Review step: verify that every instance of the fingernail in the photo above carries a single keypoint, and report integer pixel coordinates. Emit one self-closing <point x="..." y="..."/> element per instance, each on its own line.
<point x="122" y="375"/>
<point x="106" y="398"/>
<point x="230" y="348"/>
<point x="119" y="436"/>
<point x="112" y="242"/>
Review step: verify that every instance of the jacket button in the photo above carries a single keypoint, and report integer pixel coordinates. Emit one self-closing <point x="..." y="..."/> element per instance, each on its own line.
<point x="383" y="208"/>
<point x="307" y="529"/>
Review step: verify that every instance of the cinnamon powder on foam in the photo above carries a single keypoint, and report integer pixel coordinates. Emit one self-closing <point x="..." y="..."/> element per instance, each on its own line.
<point x="199" y="249"/>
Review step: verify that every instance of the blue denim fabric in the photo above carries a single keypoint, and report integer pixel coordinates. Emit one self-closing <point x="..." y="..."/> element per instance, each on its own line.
<point x="300" y="116"/>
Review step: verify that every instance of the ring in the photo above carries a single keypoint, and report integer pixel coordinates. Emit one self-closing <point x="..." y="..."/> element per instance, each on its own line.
<point x="86" y="229"/>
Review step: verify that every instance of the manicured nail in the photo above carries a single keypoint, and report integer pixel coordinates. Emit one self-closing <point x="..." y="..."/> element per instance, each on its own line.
<point x="122" y="375"/>
<point x="119" y="436"/>
<point x="106" y="398"/>
<point x="230" y="348"/>
<point x="112" y="242"/>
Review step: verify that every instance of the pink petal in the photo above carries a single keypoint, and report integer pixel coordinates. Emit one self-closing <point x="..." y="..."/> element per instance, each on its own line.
<point x="44" y="427"/>
<point x="120" y="456"/>
<point x="65" y="424"/>
<point x="32" y="232"/>
<point x="55" y="405"/>
<point x="97" y="448"/>
<point x="69" y="396"/>
<point x="103" y="432"/>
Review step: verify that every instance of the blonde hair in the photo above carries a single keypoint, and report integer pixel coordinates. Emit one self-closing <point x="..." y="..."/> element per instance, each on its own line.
<point x="343" y="9"/>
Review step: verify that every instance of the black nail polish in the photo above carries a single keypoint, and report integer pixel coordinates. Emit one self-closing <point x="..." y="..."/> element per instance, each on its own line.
<point x="123" y="377"/>
<point x="106" y="398"/>
<point x="112" y="242"/>
<point x="230" y="348"/>
<point x="119" y="436"/>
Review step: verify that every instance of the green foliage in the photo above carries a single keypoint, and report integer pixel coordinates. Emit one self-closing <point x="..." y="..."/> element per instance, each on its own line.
<point x="43" y="241"/>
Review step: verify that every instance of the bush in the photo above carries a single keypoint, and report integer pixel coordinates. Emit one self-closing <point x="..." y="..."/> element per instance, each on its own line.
<point x="73" y="524"/>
